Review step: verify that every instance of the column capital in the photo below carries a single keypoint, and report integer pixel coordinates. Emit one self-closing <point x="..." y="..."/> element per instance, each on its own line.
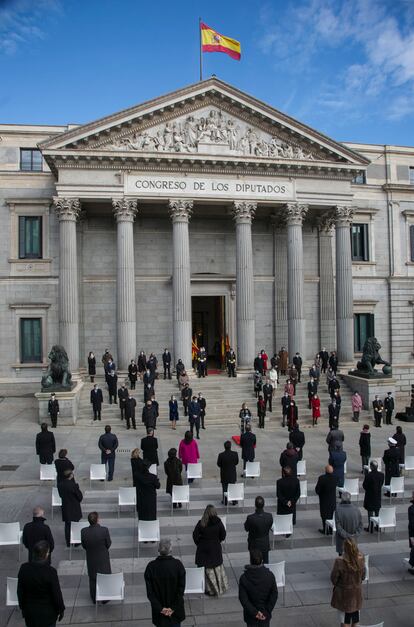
<point x="295" y="213"/>
<point x="124" y="209"/>
<point x="343" y="215"/>
<point x="243" y="211"/>
<point x="67" y="209"/>
<point x="180" y="209"/>
<point x="326" y="223"/>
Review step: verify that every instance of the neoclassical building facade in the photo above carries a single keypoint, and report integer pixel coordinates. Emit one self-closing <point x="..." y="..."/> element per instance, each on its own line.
<point x="202" y="213"/>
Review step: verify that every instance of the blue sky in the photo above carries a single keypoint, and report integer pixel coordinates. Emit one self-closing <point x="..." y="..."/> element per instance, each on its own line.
<point x="345" y="67"/>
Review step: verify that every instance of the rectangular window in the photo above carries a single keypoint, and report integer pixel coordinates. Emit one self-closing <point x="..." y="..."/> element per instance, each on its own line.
<point x="359" y="178"/>
<point x="30" y="237"/>
<point x="363" y="329"/>
<point x="359" y="242"/>
<point x="30" y="340"/>
<point x="31" y="160"/>
<point x="411" y="175"/>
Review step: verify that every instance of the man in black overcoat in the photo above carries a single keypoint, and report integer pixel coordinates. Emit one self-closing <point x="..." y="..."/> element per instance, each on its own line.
<point x="297" y="438"/>
<point x="96" y="401"/>
<point x="324" y="357"/>
<point x="258" y="526"/>
<point x="258" y="364"/>
<point x="53" y="410"/>
<point x="202" y="404"/>
<point x="257" y="592"/>
<point x="247" y="443"/>
<point x="325" y="488"/>
<point x="149" y="447"/>
<point x="227" y="461"/>
<point x="267" y="390"/>
<point x="165" y="582"/>
<point x="373" y="482"/>
<point x="312" y="390"/>
<point x="298" y="362"/>
<point x="71" y="497"/>
<point x="96" y="542"/>
<point x="287" y="492"/>
<point x="108" y="443"/>
<point x="166" y="362"/>
<point x="186" y="394"/>
<point x="111" y="381"/>
<point x="122" y="398"/>
<point x="130" y="405"/>
<point x="391" y="459"/>
<point x="149" y="415"/>
<point x="146" y="486"/>
<point x="35" y="531"/>
<point x="45" y="445"/>
<point x="389" y="408"/>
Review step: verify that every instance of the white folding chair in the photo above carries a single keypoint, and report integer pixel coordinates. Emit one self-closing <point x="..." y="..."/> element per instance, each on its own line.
<point x="345" y="468"/>
<point x="148" y="531"/>
<point x="351" y="486"/>
<point x="252" y="470"/>
<point x="301" y="468"/>
<point x="366" y="578"/>
<point x="331" y="524"/>
<point x="11" y="591"/>
<point x="56" y="500"/>
<point x="195" y="471"/>
<point x="195" y="583"/>
<point x="282" y="526"/>
<point x="180" y="494"/>
<point x="10" y="535"/>
<point x="304" y="490"/>
<point x="75" y="534"/>
<point x="48" y="472"/>
<point x="109" y="588"/>
<point x="153" y="469"/>
<point x="235" y="492"/>
<point x="396" y="487"/>
<point x="224" y="521"/>
<point x="97" y="472"/>
<point x="408" y="463"/>
<point x="127" y="496"/>
<point x="385" y="520"/>
<point x="278" y="570"/>
<point x="374" y="459"/>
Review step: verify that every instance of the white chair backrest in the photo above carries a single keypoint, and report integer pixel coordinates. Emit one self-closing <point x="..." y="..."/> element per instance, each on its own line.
<point x="127" y="496"/>
<point x="283" y="523"/>
<point x="301" y="467"/>
<point x="235" y="492"/>
<point x="279" y="572"/>
<point x="110" y="587"/>
<point x="195" y="471"/>
<point x="303" y="489"/>
<point x="387" y="516"/>
<point x="11" y="591"/>
<point x="10" y="533"/>
<point x="194" y="581"/>
<point x="252" y="469"/>
<point x="148" y="531"/>
<point x="75" y="531"/>
<point x="409" y="462"/>
<point x="366" y="560"/>
<point x="345" y="467"/>
<point x="351" y="486"/>
<point x="181" y="494"/>
<point x="56" y="500"/>
<point x="97" y="471"/>
<point x="153" y="469"/>
<point x="47" y="472"/>
<point x="397" y="484"/>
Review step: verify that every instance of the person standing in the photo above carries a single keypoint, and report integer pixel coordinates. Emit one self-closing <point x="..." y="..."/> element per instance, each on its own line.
<point x="179" y="368"/>
<point x="108" y="443"/>
<point x="378" y="407"/>
<point x="91" y="366"/>
<point x="146" y="487"/>
<point x="265" y="359"/>
<point x="38" y="589"/>
<point x="149" y="447"/>
<point x="293" y="376"/>
<point x="45" y="445"/>
<point x="316" y="409"/>
<point x="137" y="465"/>
<point x="62" y="463"/>
<point x="53" y="409"/>
<point x="273" y="379"/>
<point x="287" y="492"/>
<point x="326" y="490"/>
<point x="267" y="390"/>
<point x="165" y="583"/>
<point x="36" y="531"/>
<point x="173" y="411"/>
<point x="71" y="497"/>
<point x="202" y="404"/>
<point x="292" y="415"/>
<point x="334" y="437"/>
<point x="96" y="399"/>
<point x="283" y="361"/>
<point x="105" y="358"/>
<point x="130" y="405"/>
<point x="173" y="468"/>
<point x="337" y="460"/>
<point x="202" y="363"/>
<point x="289" y="457"/>
<point x="141" y="364"/>
<point x="122" y="398"/>
<point x="231" y="363"/>
<point x="389" y="406"/>
<point x="258" y="364"/>
<point x="337" y="399"/>
<point x="373" y="482"/>
<point x="261" y="411"/>
<point x="401" y="440"/>
<point x="333" y="386"/>
<point x="245" y="416"/>
<point x="333" y="413"/>
<point x="96" y="541"/>
<point x="110" y="366"/>
<point x="188" y="451"/>
<point x="111" y="381"/>
<point x="297" y="438"/>
<point x="297" y="362"/>
<point x="348" y="521"/>
<point x="258" y="526"/>
<point x="333" y="362"/>
<point x="285" y="402"/>
<point x="365" y="446"/>
<point x="312" y="390"/>
<point x="186" y="394"/>
<point x="356" y="404"/>
<point x="132" y="374"/>
<point x="257" y="592"/>
<point x="227" y="461"/>
<point x="391" y="459"/>
<point x="247" y="443"/>
<point x="166" y="362"/>
<point x="324" y="357"/>
<point x="149" y="415"/>
<point x="257" y="383"/>
<point x="208" y="535"/>
<point x="347" y="576"/>
<point x="290" y="388"/>
<point x="194" y="413"/>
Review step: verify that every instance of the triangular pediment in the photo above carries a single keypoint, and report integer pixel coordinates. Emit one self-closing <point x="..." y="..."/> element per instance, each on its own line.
<point x="209" y="119"/>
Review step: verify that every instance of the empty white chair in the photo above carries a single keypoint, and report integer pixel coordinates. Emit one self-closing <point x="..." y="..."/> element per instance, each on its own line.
<point x="47" y="472"/>
<point x="385" y="520"/>
<point x="303" y="490"/>
<point x="195" y="583"/>
<point x="180" y="494"/>
<point x="252" y="470"/>
<point x="351" y="486"/>
<point x="153" y="469"/>
<point x="75" y="533"/>
<point x="97" y="472"/>
<point x="148" y="531"/>
<point x="278" y="570"/>
<point x="331" y="524"/>
<point x="366" y="578"/>
<point x="195" y="471"/>
<point x="10" y="535"/>
<point x="127" y="496"/>
<point x="408" y="463"/>
<point x="235" y="492"/>
<point x="56" y="500"/>
<point x="11" y="591"/>
<point x="396" y="487"/>
<point x="301" y="468"/>
<point x="282" y="526"/>
<point x="109" y="588"/>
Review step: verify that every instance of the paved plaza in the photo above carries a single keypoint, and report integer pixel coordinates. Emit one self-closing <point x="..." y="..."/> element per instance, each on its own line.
<point x="308" y="563"/>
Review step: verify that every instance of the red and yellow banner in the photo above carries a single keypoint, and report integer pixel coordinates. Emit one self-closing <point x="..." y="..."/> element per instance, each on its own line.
<point x="212" y="41"/>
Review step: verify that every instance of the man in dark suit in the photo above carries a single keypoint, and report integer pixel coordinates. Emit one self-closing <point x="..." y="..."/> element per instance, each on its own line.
<point x="326" y="490"/>
<point x="194" y="412"/>
<point x="108" y="443"/>
<point x="53" y="409"/>
<point x="257" y="592"/>
<point x="247" y="443"/>
<point x="231" y="363"/>
<point x="71" y="499"/>
<point x="45" y="445"/>
<point x="297" y="362"/>
<point x="166" y="361"/>
<point x="149" y="415"/>
<point x="96" y="402"/>
<point x="312" y="390"/>
<point x="285" y="402"/>
<point x="258" y="526"/>
<point x="288" y="493"/>
<point x="373" y="482"/>
<point x="111" y="381"/>
<point x="227" y="462"/>
<point x="202" y="404"/>
<point x="378" y="407"/>
<point x="38" y="589"/>
<point x="324" y="357"/>
<point x="122" y="398"/>
<point x="35" y="531"/>
<point x="149" y="376"/>
<point x="389" y="408"/>
<point x="267" y="390"/>
<point x="96" y="542"/>
<point x="297" y="438"/>
<point x="333" y="413"/>
<point x="258" y="364"/>
<point x="149" y="447"/>
<point x="130" y="405"/>
<point x="186" y="394"/>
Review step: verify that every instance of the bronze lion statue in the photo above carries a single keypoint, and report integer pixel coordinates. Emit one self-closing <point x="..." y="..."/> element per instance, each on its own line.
<point x="58" y="375"/>
<point x="371" y="356"/>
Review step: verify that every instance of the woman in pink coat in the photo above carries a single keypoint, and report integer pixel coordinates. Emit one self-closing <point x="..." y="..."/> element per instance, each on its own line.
<point x="188" y="451"/>
<point x="356" y="403"/>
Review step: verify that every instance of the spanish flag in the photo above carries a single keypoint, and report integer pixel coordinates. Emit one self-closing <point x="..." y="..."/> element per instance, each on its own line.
<point x="212" y="41"/>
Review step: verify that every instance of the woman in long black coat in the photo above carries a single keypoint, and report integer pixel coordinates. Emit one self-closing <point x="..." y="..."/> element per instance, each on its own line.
<point x="173" y="468"/>
<point x="137" y="465"/>
<point x="91" y="366"/>
<point x="62" y="463"/>
<point x="146" y="486"/>
<point x="208" y="535"/>
<point x="401" y="442"/>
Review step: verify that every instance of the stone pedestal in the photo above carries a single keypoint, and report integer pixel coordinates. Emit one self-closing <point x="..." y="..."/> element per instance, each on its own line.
<point x="368" y="388"/>
<point x="68" y="405"/>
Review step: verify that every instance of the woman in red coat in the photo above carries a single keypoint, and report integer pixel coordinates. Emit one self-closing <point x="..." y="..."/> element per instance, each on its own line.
<point x="316" y="409"/>
<point x="265" y="358"/>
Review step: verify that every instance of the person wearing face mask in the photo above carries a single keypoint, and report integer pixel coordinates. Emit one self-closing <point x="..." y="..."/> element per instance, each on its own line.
<point x="91" y="366"/>
<point x="285" y="401"/>
<point x="174" y="415"/>
<point x="132" y="374"/>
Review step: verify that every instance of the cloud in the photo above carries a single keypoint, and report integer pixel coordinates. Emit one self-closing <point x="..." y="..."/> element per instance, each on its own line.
<point x="21" y="22"/>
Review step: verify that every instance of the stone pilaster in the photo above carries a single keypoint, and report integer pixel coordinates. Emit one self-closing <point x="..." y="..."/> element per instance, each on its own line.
<point x="180" y="211"/>
<point x="326" y="283"/>
<point x="280" y="274"/>
<point x="294" y="215"/>
<point x="344" y="293"/>
<point x="243" y="213"/>
<point x="125" y="210"/>
<point x="68" y="210"/>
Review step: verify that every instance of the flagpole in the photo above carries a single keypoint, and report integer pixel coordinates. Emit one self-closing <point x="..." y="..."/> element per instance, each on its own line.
<point x="201" y="54"/>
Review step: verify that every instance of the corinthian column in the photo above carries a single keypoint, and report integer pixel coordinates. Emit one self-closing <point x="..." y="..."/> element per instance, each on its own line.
<point x="344" y="294"/>
<point x="280" y="273"/>
<point x="125" y="210"/>
<point x="326" y="283"/>
<point x="243" y="213"/>
<point x="180" y="211"/>
<point x="295" y="214"/>
<point x="68" y="210"/>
